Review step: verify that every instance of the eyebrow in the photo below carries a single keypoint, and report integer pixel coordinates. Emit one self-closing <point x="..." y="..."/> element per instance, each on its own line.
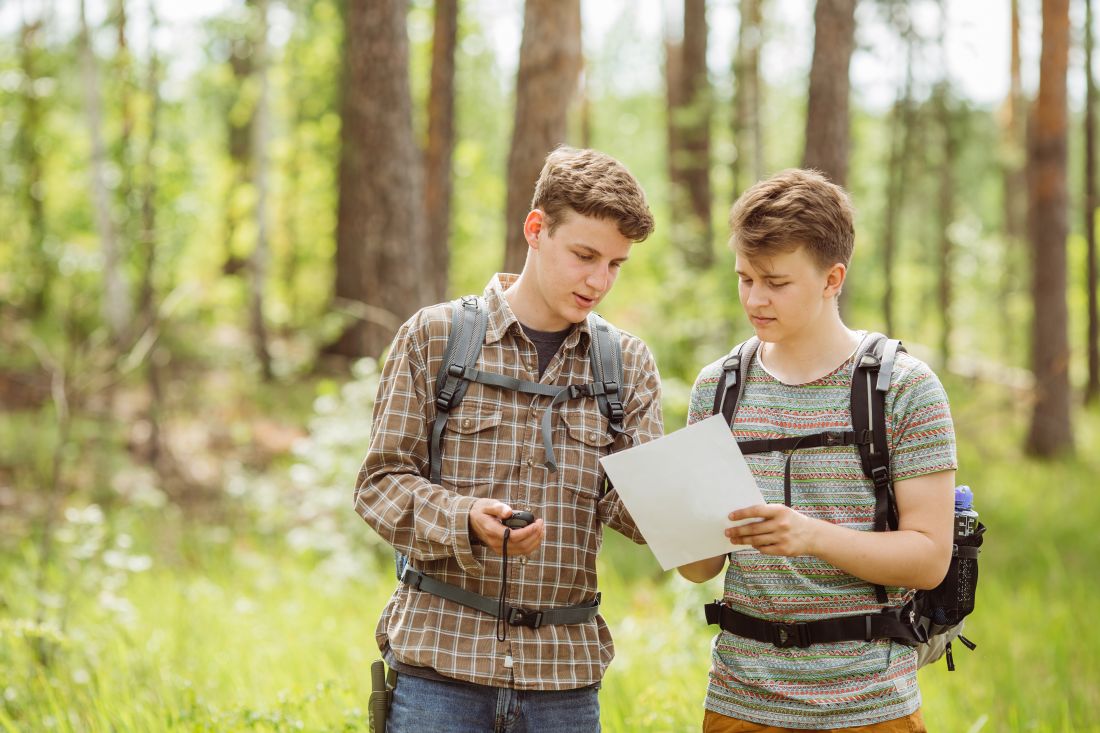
<point x="766" y="275"/>
<point x="595" y="252"/>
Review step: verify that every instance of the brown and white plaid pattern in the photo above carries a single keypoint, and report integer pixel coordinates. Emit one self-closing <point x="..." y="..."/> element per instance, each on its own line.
<point x="492" y="447"/>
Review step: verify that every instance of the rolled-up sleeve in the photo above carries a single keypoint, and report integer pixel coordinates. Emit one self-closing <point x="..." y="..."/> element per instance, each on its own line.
<point x="418" y="518"/>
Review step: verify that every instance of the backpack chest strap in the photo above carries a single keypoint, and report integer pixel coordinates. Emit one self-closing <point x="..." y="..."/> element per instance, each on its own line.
<point x="559" y="393"/>
<point x="827" y="438"/>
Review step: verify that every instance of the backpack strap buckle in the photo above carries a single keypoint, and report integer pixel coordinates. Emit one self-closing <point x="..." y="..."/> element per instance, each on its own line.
<point x="523" y="617"/>
<point x="792" y="634"/>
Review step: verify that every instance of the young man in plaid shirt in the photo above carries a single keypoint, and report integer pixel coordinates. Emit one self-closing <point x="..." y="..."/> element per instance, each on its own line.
<point x="465" y="669"/>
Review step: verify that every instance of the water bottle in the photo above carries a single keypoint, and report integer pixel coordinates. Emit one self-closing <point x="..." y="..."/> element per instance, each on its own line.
<point x="966" y="519"/>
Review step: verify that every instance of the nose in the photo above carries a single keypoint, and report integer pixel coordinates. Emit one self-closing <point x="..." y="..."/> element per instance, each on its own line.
<point x="599" y="279"/>
<point x="754" y="295"/>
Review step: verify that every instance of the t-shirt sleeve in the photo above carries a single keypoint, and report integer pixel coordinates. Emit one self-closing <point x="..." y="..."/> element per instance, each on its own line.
<point x="919" y="427"/>
<point x="701" y="405"/>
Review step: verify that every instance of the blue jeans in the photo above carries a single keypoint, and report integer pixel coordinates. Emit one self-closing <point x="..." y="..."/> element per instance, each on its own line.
<point x="421" y="705"/>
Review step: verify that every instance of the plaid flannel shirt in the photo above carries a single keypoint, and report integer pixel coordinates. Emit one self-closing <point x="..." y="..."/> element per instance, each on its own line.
<point x="492" y="447"/>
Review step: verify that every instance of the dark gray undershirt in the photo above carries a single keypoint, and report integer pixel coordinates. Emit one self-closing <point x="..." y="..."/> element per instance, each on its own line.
<point x="546" y="343"/>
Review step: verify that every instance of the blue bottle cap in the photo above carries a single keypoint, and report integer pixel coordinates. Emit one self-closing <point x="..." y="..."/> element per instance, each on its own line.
<point x="964" y="497"/>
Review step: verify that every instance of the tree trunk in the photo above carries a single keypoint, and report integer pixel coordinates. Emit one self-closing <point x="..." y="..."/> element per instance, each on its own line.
<point x="748" y="137"/>
<point x="1092" y="385"/>
<point x="1051" y="432"/>
<point x="116" y="302"/>
<point x="897" y="170"/>
<point x="949" y="152"/>
<point x="1014" y="171"/>
<point x="122" y="72"/>
<point x="380" y="261"/>
<point x="689" y="100"/>
<point x="258" y="260"/>
<point x="441" y="140"/>
<point x="827" y="119"/>
<point x="40" y="274"/>
<point x="827" y="134"/>
<point x="549" y="65"/>
<point x="946" y="207"/>
<point x="240" y="119"/>
<point x="147" y="243"/>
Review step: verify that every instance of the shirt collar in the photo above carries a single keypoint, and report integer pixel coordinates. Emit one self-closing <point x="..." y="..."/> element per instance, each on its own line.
<point x="501" y="317"/>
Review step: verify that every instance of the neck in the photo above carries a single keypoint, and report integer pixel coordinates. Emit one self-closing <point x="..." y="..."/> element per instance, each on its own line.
<point x="525" y="303"/>
<point x="813" y="352"/>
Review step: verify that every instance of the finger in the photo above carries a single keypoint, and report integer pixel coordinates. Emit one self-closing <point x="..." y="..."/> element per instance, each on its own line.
<point x="528" y="539"/>
<point x="498" y="509"/>
<point x="757" y="511"/>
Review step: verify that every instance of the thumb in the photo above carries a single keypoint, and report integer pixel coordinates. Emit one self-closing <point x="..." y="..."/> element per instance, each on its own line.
<point x="498" y="509"/>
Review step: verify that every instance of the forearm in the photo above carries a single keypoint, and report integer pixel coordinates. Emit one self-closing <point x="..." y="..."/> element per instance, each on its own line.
<point x="906" y="558"/>
<point x="418" y="518"/>
<point x="702" y="570"/>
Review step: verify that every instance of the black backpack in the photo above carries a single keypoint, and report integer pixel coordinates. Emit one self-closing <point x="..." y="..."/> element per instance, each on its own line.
<point x="934" y="618"/>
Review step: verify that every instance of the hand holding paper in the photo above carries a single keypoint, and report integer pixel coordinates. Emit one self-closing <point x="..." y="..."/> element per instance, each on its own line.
<point x="679" y="490"/>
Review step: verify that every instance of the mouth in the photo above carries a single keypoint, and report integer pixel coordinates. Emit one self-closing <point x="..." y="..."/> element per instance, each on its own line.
<point x="760" y="321"/>
<point x="584" y="302"/>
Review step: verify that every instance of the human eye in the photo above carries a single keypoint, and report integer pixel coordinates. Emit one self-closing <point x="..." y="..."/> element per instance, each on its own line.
<point x="585" y="257"/>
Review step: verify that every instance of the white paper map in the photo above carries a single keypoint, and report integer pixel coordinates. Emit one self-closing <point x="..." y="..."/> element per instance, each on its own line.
<point x="681" y="488"/>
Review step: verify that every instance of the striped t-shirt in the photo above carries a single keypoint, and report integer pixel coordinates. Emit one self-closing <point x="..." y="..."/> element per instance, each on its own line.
<point x="825" y="685"/>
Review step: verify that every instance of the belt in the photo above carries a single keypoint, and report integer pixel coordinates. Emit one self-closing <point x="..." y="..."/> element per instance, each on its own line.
<point x="898" y="624"/>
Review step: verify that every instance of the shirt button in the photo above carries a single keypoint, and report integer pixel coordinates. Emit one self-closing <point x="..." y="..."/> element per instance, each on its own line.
<point x="467" y="423"/>
<point x="592" y="437"/>
<point x="530" y="462"/>
<point x="522" y="559"/>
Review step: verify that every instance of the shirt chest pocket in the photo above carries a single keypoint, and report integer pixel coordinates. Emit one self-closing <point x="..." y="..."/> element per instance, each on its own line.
<point x="583" y="441"/>
<point x="473" y="448"/>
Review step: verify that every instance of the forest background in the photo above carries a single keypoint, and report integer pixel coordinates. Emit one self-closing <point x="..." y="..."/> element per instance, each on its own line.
<point x="214" y="216"/>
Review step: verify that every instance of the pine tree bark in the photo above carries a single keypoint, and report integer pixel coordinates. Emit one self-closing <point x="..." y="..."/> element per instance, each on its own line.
<point x="827" y="117"/>
<point x="441" y="139"/>
<point x="380" y="260"/>
<point x="549" y="66"/>
<point x="1051" y="431"/>
<point x="1092" y="384"/>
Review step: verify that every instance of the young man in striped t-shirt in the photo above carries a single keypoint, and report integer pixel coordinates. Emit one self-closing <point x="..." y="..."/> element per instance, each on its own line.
<point x="819" y="558"/>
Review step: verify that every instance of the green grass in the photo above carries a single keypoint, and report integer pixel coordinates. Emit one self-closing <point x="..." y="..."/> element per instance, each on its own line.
<point x="240" y="634"/>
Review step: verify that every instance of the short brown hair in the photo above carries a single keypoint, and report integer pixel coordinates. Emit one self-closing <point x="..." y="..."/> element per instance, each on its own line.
<point x="794" y="208"/>
<point x="593" y="184"/>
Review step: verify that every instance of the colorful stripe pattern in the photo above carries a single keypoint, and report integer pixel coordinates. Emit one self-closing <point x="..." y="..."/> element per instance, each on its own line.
<point x="826" y="685"/>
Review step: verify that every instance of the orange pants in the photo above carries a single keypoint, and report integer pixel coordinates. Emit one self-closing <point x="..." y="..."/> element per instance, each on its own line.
<point x="718" y="723"/>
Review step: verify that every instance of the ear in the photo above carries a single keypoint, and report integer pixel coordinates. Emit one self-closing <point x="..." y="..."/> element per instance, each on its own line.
<point x="532" y="227"/>
<point x="834" y="279"/>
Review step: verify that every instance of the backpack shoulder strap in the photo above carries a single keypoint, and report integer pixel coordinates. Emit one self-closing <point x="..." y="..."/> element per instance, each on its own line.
<point x="874" y="363"/>
<point x="605" y="352"/>
<point x="469" y="322"/>
<point x="731" y="382"/>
